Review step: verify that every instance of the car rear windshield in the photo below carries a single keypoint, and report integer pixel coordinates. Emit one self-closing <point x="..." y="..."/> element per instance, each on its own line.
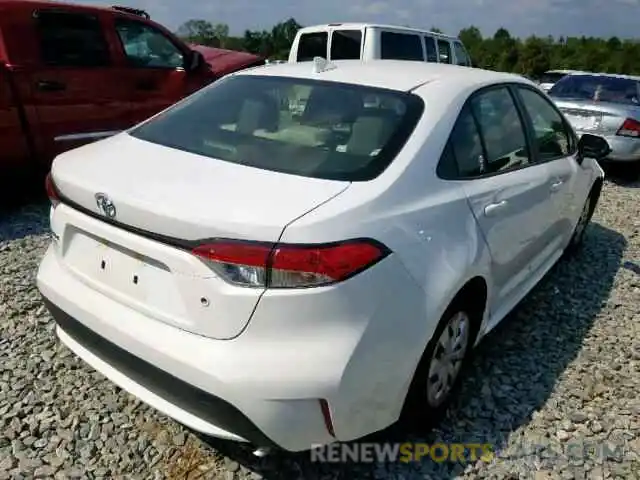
<point x="597" y="88"/>
<point x="302" y="127"/>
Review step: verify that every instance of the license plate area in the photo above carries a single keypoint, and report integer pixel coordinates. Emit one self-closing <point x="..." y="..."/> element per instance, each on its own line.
<point x="116" y="268"/>
<point x="113" y="266"/>
<point x="167" y="289"/>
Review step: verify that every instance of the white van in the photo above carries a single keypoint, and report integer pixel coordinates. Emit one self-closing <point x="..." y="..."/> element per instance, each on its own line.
<point x="366" y="41"/>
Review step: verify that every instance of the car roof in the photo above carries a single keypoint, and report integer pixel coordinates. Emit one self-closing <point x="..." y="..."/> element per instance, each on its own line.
<point x="69" y="5"/>
<point x="608" y="75"/>
<point x="359" y="26"/>
<point x="400" y="75"/>
<point x="566" y="72"/>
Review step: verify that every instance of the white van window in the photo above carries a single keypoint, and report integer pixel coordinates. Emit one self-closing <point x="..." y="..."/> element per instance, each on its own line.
<point x="432" y="52"/>
<point x="311" y="45"/>
<point x="461" y="55"/>
<point x="444" y="51"/>
<point x="400" y="46"/>
<point x="346" y="44"/>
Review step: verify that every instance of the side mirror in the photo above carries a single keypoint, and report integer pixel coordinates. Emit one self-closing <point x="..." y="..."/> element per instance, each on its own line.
<point x="195" y="61"/>
<point x="592" y="146"/>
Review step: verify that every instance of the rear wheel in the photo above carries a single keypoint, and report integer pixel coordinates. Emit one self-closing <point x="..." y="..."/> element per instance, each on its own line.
<point x="446" y="359"/>
<point x="438" y="374"/>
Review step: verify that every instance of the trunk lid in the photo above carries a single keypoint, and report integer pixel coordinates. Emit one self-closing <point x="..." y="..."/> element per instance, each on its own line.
<point x="186" y="196"/>
<point x="161" y="192"/>
<point x="598" y="118"/>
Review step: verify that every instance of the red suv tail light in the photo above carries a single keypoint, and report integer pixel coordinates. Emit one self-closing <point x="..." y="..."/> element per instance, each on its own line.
<point x="255" y="264"/>
<point x="51" y="190"/>
<point x="630" y="128"/>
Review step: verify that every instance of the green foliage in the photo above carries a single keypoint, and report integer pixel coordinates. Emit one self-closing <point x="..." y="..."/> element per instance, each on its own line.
<point x="273" y="44"/>
<point x="534" y="55"/>
<point x="198" y="31"/>
<point x="530" y="56"/>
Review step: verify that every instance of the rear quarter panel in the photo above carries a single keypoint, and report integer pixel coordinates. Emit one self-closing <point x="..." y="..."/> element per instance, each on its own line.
<point x="436" y="244"/>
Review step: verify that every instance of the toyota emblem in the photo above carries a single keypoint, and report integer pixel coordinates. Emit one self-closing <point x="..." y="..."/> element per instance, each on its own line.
<point x="105" y="205"/>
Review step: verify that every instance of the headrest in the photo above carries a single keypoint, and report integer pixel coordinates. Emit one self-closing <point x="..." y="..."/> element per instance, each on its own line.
<point x="332" y="106"/>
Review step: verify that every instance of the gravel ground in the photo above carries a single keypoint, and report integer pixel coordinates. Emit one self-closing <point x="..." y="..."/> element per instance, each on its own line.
<point x="563" y="371"/>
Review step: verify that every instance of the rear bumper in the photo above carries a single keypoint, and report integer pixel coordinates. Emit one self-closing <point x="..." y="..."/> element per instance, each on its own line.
<point x="355" y="346"/>
<point x="623" y="149"/>
<point x="160" y="389"/>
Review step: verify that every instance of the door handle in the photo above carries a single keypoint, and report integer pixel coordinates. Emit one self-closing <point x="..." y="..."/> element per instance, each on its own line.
<point x="555" y="186"/>
<point x="50" y="86"/>
<point x="494" y="208"/>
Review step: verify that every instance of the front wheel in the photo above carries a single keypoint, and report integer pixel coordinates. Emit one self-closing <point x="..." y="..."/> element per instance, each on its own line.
<point x="577" y="238"/>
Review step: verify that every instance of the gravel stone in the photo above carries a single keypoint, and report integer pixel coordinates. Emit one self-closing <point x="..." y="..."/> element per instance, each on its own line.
<point x="554" y="389"/>
<point x="44" y="472"/>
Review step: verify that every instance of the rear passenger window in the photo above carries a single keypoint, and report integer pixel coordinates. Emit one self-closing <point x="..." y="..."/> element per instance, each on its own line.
<point x="70" y="39"/>
<point x="461" y="55"/>
<point x="400" y="46"/>
<point x="466" y="146"/>
<point x="501" y="130"/>
<point x="312" y="45"/>
<point x="432" y="52"/>
<point x="444" y="51"/>
<point x="345" y="44"/>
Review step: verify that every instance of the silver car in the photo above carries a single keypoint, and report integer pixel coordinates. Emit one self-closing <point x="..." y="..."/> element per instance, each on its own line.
<point x="551" y="77"/>
<point x="606" y="105"/>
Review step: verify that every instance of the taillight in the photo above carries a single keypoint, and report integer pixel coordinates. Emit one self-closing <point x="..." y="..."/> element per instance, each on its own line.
<point x="237" y="262"/>
<point x="630" y="128"/>
<point x="51" y="190"/>
<point x="254" y="264"/>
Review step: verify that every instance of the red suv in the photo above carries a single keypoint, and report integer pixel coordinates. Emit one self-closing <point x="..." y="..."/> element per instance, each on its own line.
<point x="71" y="74"/>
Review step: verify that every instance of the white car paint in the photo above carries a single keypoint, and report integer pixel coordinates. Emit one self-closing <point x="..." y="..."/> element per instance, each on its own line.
<point x="281" y="355"/>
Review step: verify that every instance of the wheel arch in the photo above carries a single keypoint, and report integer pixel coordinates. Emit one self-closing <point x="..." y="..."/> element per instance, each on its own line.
<point x="475" y="293"/>
<point x="596" y="190"/>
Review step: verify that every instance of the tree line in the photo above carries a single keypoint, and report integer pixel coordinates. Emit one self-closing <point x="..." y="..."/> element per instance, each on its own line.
<point x="530" y="56"/>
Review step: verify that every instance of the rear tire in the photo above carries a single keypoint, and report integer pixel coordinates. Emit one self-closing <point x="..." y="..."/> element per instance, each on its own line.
<point x="437" y="377"/>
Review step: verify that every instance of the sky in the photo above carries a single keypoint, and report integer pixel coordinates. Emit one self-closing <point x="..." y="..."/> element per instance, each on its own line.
<point x="602" y="18"/>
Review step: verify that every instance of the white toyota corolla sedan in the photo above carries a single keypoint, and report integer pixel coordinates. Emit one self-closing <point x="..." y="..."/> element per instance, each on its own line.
<point x="294" y="278"/>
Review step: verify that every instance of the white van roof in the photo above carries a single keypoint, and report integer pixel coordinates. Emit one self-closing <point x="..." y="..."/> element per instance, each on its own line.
<point x="359" y="26"/>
